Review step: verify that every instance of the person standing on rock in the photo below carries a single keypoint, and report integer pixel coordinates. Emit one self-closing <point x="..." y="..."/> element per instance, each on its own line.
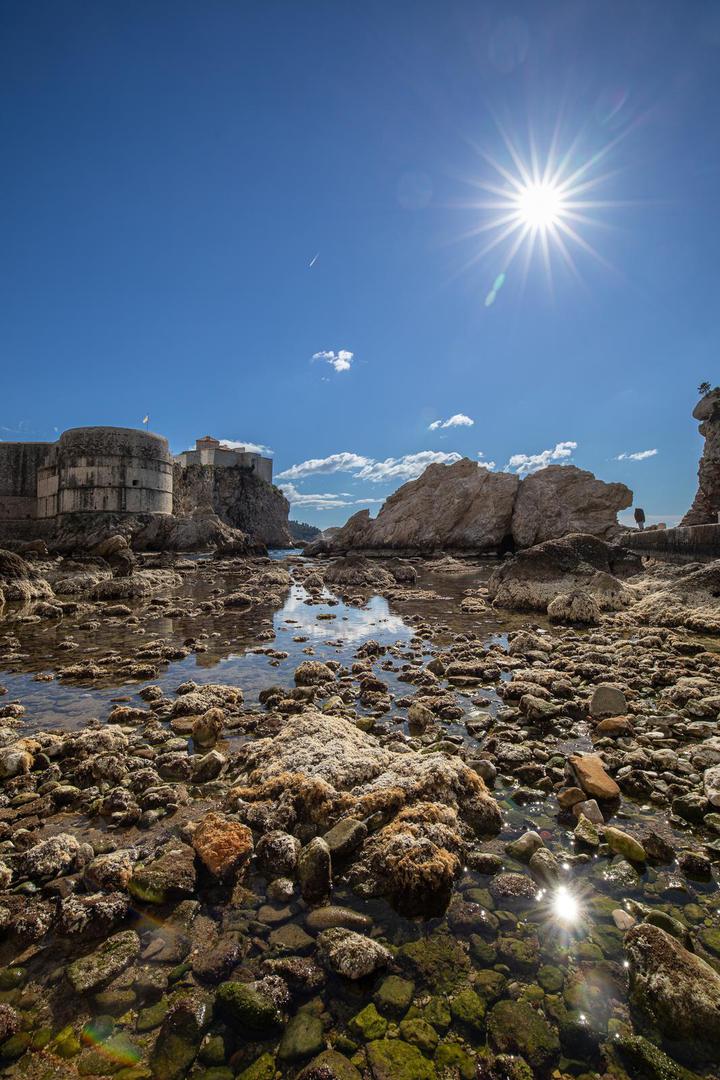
<point x="640" y="518"/>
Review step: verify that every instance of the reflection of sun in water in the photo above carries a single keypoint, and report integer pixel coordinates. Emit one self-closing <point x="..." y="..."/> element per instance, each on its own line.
<point x="565" y="906"/>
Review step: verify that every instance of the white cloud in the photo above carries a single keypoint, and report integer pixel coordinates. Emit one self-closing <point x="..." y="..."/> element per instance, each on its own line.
<point x="325" y="501"/>
<point x="340" y="360"/>
<point x="314" y="501"/>
<point x="408" y="467"/>
<point x="343" y="462"/>
<point x="530" y="463"/>
<point x="639" y="455"/>
<point x="486" y="464"/>
<point x="251" y="447"/>
<point x="458" y="420"/>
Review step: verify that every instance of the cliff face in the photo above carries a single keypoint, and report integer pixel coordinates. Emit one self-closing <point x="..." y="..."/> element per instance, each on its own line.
<point x="238" y="497"/>
<point x="463" y="506"/>
<point x="706" y="507"/>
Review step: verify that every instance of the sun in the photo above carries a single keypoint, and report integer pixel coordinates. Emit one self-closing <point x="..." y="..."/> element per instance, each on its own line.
<point x="540" y="206"/>
<point x="539" y="203"/>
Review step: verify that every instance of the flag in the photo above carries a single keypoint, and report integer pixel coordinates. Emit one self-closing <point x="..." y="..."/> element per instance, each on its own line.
<point x="145" y="419"/>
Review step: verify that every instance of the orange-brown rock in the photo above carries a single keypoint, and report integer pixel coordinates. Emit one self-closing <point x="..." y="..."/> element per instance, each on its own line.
<point x="592" y="778"/>
<point x="225" y="847"/>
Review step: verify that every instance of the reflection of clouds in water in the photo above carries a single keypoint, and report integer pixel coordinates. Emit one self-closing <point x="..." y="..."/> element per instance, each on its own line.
<point x="351" y="624"/>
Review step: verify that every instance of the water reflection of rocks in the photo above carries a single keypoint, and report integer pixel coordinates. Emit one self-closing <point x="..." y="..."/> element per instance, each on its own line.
<point x="403" y="836"/>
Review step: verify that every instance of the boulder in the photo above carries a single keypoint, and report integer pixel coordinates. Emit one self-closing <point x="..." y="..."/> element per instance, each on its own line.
<point x="563" y="499"/>
<point x="592" y="778"/>
<point x="534" y="578"/>
<point x="675" y="990"/>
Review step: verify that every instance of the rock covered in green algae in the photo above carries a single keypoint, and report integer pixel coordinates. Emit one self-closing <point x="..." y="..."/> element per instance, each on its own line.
<point x="644" y="1061"/>
<point x="514" y="1027"/>
<point x="394" y="995"/>
<point x="368" y="1024"/>
<point x="439" y="960"/>
<point x="302" y="1038"/>
<point x="451" y="1056"/>
<point x="108" y="961"/>
<point x="675" y="989"/>
<point x="263" y="1068"/>
<point x="180" y="1036"/>
<point x="242" y="1005"/>
<point x="623" y="844"/>
<point x="393" y="1059"/>
<point x="468" y="1010"/>
<point x="421" y="1034"/>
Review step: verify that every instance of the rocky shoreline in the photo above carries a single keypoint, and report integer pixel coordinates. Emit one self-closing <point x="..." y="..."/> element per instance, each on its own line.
<point x="481" y="842"/>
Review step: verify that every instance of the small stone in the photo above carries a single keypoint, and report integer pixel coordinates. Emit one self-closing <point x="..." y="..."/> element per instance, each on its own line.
<point x="368" y="1024"/>
<point x="586" y="832"/>
<point x="607" y="700"/>
<point x="624" y="844"/>
<point x="394" y="995"/>
<point x="592" y="777"/>
<point x="570" y="796"/>
<point x="350" y="954"/>
<point x="243" y="1005"/>
<point x="225" y="847"/>
<point x="590" y="810"/>
<point x="525" y="846"/>
<point x="315" y="870"/>
<point x="345" y="837"/>
<point x="302" y="1038"/>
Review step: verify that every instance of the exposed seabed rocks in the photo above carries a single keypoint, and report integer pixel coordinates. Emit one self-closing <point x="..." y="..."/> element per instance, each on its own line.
<point x="249" y="829"/>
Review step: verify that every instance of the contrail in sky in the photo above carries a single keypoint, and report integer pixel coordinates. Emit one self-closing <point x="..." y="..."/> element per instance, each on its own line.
<point x="314" y="260"/>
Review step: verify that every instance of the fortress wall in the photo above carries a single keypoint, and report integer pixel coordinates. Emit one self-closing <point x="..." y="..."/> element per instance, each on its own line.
<point x="691" y="543"/>
<point x="19" y="464"/>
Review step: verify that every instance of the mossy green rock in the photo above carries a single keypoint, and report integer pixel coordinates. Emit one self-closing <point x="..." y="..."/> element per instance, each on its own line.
<point x="152" y="1016"/>
<point x="646" y="1062"/>
<point x="623" y="844"/>
<point x="368" y="1024"/>
<point x="489" y="984"/>
<point x="263" y="1068"/>
<point x="12" y="977"/>
<point x="515" y="1027"/>
<point x="107" y="962"/>
<point x="711" y="941"/>
<point x="520" y="954"/>
<point x="14" y="1047"/>
<point x="452" y="1057"/>
<point x="420" y="1034"/>
<point x="393" y="1059"/>
<point x="302" y="1037"/>
<point x="66" y="1043"/>
<point x="468" y="1008"/>
<point x="437" y="1013"/>
<point x="394" y="995"/>
<point x="109" y="1057"/>
<point x="438" y="960"/>
<point x="550" y="978"/>
<point x="241" y="1005"/>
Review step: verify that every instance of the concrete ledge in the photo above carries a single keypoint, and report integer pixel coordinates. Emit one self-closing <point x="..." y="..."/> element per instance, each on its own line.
<point x="693" y="543"/>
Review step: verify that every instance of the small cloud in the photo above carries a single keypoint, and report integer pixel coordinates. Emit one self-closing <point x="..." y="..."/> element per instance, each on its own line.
<point x="458" y="420"/>
<point x="485" y="464"/>
<point x="524" y="464"/>
<point x="251" y="447"/>
<point x="342" y="462"/>
<point x="340" y="360"/>
<point x="639" y="455"/>
<point x="321" y="501"/>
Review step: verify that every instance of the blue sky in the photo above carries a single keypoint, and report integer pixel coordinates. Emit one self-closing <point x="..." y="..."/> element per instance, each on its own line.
<point x="171" y="170"/>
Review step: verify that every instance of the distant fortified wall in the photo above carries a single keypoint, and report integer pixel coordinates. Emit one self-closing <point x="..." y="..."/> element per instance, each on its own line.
<point x="19" y="464"/>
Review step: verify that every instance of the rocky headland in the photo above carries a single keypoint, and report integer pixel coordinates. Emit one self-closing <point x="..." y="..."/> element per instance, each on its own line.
<point x="465" y="507"/>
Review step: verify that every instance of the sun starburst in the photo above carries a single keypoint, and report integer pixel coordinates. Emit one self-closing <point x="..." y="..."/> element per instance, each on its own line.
<point x="540" y="204"/>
